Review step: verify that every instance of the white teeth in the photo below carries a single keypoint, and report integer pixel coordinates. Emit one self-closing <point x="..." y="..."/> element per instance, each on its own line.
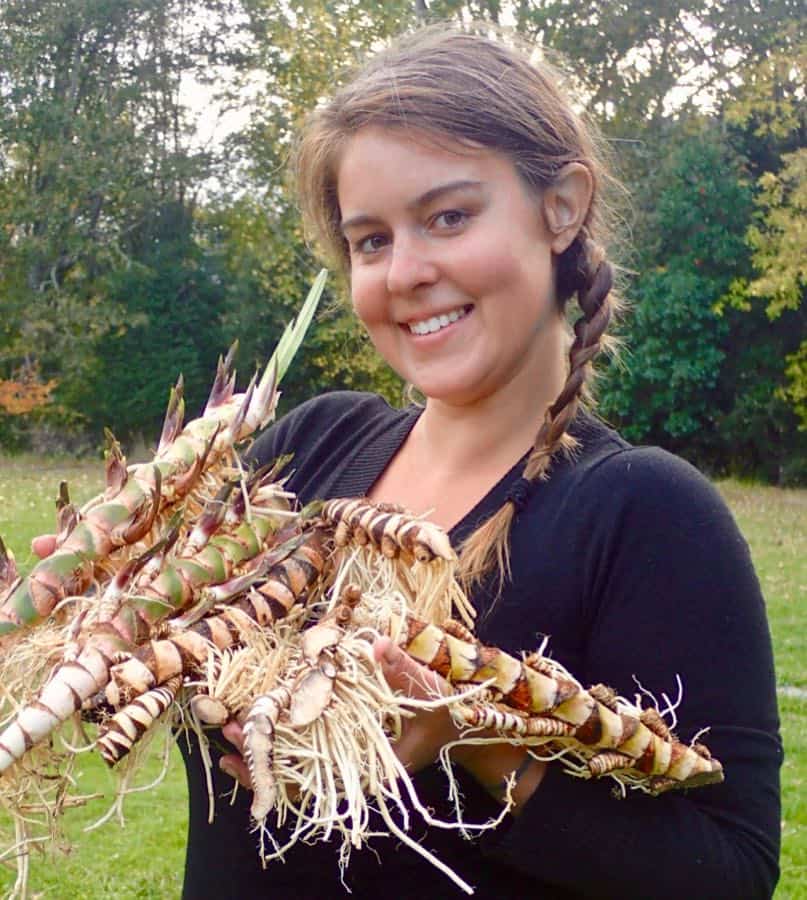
<point x="427" y="326"/>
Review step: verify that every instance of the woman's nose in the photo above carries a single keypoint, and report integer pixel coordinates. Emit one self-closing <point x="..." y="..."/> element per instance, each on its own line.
<point x="410" y="267"/>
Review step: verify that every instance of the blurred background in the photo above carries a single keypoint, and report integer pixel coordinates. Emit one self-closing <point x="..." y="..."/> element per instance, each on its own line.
<point x="146" y="219"/>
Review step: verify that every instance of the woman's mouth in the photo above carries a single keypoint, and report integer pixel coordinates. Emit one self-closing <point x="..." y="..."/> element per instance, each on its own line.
<point x="437" y="323"/>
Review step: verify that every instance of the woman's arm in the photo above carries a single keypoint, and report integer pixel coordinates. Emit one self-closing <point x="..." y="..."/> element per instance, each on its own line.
<point x="671" y="590"/>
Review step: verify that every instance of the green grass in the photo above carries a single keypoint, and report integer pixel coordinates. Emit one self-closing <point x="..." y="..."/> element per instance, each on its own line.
<point x="144" y="859"/>
<point x="773" y="522"/>
<point x="28" y="491"/>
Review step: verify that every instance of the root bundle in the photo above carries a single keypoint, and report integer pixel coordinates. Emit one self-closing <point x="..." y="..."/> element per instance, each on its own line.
<point x="204" y="594"/>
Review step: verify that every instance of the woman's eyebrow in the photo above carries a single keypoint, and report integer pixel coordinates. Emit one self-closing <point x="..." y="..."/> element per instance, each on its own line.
<point x="422" y="200"/>
<point x="358" y="220"/>
<point x="437" y="192"/>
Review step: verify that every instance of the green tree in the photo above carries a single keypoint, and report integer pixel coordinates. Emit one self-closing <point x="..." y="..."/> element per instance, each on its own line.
<point x="173" y="296"/>
<point x="93" y="144"/>
<point x="639" y="62"/>
<point x="703" y="372"/>
<point x="779" y="237"/>
<point x="693" y="218"/>
<point x="778" y="241"/>
<point x="770" y="119"/>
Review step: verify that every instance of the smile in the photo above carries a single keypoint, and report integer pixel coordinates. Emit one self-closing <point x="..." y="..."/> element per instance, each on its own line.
<point x="436" y="323"/>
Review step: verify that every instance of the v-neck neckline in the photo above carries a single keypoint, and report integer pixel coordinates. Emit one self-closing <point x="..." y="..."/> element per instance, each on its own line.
<point x="494" y="498"/>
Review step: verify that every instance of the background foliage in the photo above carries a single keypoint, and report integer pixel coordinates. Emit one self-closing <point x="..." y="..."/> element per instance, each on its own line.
<point x="132" y="246"/>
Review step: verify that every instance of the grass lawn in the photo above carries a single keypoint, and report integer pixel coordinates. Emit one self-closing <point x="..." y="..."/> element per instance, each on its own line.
<point x="774" y="523"/>
<point x="144" y="859"/>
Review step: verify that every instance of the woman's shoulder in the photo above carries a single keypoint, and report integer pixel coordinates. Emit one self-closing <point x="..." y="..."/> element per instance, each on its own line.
<point x="645" y="497"/>
<point x="655" y="481"/>
<point x="338" y="403"/>
<point x="337" y="406"/>
<point x="644" y="475"/>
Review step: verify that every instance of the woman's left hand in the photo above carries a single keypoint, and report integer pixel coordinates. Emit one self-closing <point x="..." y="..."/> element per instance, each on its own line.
<point x="233" y="764"/>
<point x="429" y="730"/>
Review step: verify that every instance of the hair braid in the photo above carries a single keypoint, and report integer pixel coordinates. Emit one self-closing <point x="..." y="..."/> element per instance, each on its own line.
<point x="593" y="298"/>
<point x="488" y="547"/>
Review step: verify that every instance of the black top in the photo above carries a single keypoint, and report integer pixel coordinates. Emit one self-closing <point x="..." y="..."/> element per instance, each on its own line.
<point x="630" y="561"/>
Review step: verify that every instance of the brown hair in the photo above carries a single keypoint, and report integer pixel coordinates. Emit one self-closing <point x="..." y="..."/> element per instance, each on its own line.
<point x="479" y="91"/>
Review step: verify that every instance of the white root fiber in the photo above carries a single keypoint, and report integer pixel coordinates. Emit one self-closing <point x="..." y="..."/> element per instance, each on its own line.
<point x="318" y="717"/>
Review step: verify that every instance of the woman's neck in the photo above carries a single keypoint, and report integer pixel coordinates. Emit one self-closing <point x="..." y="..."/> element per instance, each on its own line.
<point x="495" y="431"/>
<point x="456" y="452"/>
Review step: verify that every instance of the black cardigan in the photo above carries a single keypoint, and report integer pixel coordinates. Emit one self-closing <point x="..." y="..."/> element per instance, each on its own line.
<point x="630" y="562"/>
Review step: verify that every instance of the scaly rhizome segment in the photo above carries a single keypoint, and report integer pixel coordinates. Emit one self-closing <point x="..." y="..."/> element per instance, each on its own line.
<point x="126" y="727"/>
<point x="537" y="702"/>
<point x="190" y="464"/>
<point x="209" y="556"/>
<point x="262" y="596"/>
<point x="396" y="559"/>
<point x="197" y="652"/>
<point x="206" y="567"/>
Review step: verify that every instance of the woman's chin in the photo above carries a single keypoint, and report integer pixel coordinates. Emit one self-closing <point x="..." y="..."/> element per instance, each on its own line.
<point x="451" y="392"/>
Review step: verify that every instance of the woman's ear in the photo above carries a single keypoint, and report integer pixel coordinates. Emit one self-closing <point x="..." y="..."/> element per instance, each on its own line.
<point x="566" y="203"/>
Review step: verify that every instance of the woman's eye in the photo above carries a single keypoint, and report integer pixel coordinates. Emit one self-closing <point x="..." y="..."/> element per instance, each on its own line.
<point x="371" y="244"/>
<point x="450" y="219"/>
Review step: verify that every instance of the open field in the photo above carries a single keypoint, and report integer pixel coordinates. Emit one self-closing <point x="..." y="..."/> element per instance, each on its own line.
<point x="144" y="859"/>
<point x="775" y="524"/>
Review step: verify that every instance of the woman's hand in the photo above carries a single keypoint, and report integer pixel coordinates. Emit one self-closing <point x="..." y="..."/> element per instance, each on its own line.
<point x="43" y="545"/>
<point x="429" y="730"/>
<point x="422" y="738"/>
<point x="423" y="735"/>
<point x="233" y="764"/>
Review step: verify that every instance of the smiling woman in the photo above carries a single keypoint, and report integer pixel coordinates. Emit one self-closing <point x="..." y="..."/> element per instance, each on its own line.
<point x="458" y="237"/>
<point x="461" y="196"/>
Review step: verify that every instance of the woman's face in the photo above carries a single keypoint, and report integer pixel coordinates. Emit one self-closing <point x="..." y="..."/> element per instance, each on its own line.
<point x="451" y="264"/>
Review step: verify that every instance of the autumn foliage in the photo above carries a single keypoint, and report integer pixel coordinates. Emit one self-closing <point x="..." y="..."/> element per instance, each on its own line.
<point x="25" y="391"/>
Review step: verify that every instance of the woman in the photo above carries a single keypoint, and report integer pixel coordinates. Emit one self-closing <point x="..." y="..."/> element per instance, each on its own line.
<point x="461" y="196"/>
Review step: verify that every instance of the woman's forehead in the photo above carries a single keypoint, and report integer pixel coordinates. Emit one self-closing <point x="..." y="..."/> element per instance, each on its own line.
<point x="407" y="163"/>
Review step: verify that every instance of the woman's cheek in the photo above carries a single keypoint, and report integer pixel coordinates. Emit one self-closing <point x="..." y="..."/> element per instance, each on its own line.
<point x="368" y="302"/>
<point x="494" y="270"/>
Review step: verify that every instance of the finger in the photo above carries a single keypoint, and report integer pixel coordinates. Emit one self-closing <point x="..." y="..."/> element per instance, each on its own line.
<point x="382" y="647"/>
<point x="43" y="545"/>
<point x="233" y="732"/>
<point x="233" y="765"/>
<point x="404" y="673"/>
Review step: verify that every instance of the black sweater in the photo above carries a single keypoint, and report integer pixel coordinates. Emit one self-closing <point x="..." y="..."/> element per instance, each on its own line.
<point x="630" y="562"/>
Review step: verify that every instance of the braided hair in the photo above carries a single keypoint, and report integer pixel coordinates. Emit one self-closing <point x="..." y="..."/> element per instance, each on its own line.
<point x="587" y="268"/>
<point x="483" y="92"/>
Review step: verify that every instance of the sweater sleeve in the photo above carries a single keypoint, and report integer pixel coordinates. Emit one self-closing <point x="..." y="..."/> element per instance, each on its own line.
<point x="670" y="590"/>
